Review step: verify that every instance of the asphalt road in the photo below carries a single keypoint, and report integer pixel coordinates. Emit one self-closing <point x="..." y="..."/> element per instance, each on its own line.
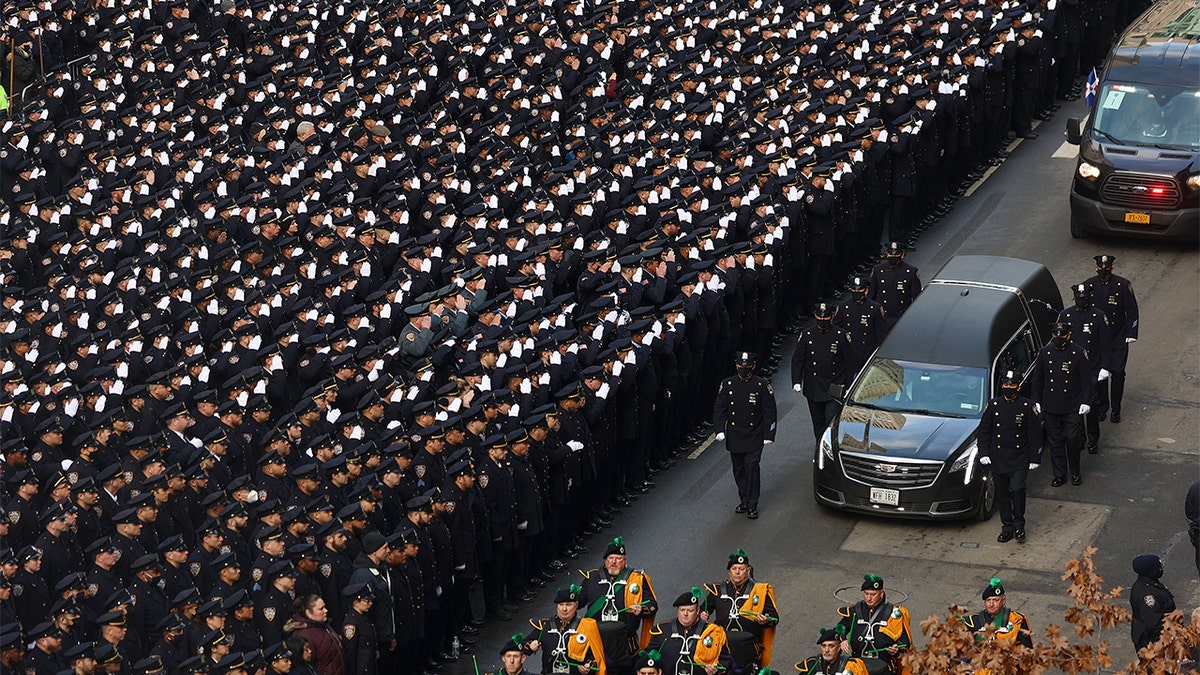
<point x="1131" y="501"/>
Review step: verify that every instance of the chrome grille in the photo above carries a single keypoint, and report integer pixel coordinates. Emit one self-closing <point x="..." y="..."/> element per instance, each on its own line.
<point x="888" y="472"/>
<point x="1140" y="191"/>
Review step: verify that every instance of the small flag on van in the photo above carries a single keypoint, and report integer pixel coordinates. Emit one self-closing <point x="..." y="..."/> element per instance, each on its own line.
<point x="1093" y="86"/>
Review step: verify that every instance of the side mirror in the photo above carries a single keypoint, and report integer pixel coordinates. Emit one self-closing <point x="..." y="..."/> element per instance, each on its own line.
<point x="838" y="392"/>
<point x="1074" y="130"/>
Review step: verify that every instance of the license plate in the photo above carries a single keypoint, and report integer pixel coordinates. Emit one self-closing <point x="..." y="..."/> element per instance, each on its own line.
<point x="1139" y="218"/>
<point x="885" y="496"/>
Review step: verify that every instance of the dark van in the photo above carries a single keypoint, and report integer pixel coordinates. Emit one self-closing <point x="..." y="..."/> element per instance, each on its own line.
<point x="904" y="441"/>
<point x="1138" y="172"/>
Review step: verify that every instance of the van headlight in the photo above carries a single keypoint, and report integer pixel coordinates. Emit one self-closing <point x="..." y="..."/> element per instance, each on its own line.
<point x="825" y="449"/>
<point x="966" y="462"/>
<point x="1088" y="171"/>
<point x="1193" y="181"/>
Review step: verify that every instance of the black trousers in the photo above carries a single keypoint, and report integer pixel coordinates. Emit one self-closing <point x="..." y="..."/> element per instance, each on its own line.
<point x="746" y="475"/>
<point x="821" y="413"/>
<point x="1010" y="498"/>
<point x="1112" y="390"/>
<point x="1064" y="434"/>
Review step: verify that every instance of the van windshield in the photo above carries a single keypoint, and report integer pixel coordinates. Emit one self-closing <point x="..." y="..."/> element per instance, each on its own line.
<point x="956" y="391"/>
<point x="1155" y="115"/>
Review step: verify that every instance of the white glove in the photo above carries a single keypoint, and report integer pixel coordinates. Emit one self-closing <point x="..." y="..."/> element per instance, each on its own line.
<point x="1033" y="467"/>
<point x="1129" y="340"/>
<point x="720" y="435"/>
<point x="523" y="525"/>
<point x="1037" y="408"/>
<point x="1103" y="375"/>
<point x="575" y="445"/>
<point x="617" y="368"/>
<point x="796" y="387"/>
<point x="767" y="442"/>
<point x="986" y="461"/>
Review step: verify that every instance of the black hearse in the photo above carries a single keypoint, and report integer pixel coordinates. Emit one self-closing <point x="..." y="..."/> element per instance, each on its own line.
<point x="1138" y="171"/>
<point x="904" y="442"/>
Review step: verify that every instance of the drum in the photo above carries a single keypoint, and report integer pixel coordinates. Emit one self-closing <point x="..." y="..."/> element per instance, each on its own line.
<point x="614" y="635"/>
<point x="876" y="666"/>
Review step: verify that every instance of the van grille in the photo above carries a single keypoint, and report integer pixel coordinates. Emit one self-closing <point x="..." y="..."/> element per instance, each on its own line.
<point x="888" y="472"/>
<point x="1139" y="191"/>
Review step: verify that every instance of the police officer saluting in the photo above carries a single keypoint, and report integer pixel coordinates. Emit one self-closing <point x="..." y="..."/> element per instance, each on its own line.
<point x="1010" y="437"/>
<point x="1061" y="388"/>
<point x="1114" y="296"/>
<point x="745" y="415"/>
<point x="894" y="284"/>
<point x="818" y="362"/>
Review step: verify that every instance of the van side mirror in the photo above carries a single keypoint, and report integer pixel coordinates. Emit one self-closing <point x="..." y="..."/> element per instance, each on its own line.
<point x="838" y="392"/>
<point x="1074" y="130"/>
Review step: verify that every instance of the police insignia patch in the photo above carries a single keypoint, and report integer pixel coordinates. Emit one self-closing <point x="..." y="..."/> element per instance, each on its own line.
<point x="1150" y="600"/>
<point x="420" y="471"/>
<point x="14" y="516"/>
<point x="449" y="507"/>
<point x="269" y="613"/>
<point x="256" y="573"/>
<point x="224" y="550"/>
<point x="18" y="589"/>
<point x="483" y="481"/>
<point x="92" y="590"/>
<point x="326" y="570"/>
<point x="194" y="568"/>
<point x="37" y="456"/>
<point x="128" y="476"/>
<point x="348" y="631"/>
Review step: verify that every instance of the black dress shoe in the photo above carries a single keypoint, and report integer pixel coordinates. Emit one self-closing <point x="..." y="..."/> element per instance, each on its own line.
<point x="1093" y="449"/>
<point x="1029" y="135"/>
<point x="1057" y="482"/>
<point x="447" y="657"/>
<point x="752" y="514"/>
<point x="1020" y="534"/>
<point x="741" y="508"/>
<point x="557" y="565"/>
<point x="509" y="607"/>
<point x="469" y="630"/>
<point x="537" y="581"/>
<point x="649" y="484"/>
<point x="466" y="641"/>
<point x="1115" y="418"/>
<point x="1076" y="480"/>
<point x="528" y="596"/>
<point x="1004" y="536"/>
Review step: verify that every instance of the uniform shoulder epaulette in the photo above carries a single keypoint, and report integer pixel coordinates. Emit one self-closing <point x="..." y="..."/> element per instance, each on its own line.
<point x="657" y="629"/>
<point x="845" y="611"/>
<point x="969" y="621"/>
<point x="712" y="588"/>
<point x="537" y="625"/>
<point x="587" y="574"/>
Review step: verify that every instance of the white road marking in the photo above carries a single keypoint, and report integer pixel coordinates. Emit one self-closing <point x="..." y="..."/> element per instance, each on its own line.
<point x="1065" y="151"/>
<point x="703" y="446"/>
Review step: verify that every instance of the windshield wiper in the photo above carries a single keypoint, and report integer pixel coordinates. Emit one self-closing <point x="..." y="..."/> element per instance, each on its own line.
<point x="1110" y="137"/>
<point x="931" y="413"/>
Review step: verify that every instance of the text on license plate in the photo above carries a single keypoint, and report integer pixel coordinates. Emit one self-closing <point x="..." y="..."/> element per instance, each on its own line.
<point x="1139" y="218"/>
<point x="885" y="496"/>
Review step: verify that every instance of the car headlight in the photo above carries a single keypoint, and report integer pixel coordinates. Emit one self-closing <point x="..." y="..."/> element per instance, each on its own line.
<point x="1193" y="181"/>
<point x="825" y="449"/>
<point x="1088" y="171"/>
<point x="966" y="462"/>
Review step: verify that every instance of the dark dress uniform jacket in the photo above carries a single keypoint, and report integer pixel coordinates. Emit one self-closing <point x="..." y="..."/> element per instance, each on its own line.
<point x="1010" y="433"/>
<point x="1151" y="601"/>
<point x="894" y="288"/>
<point x="358" y="644"/>
<point x="818" y="362"/>
<point x="745" y="411"/>
<point x="1061" y="381"/>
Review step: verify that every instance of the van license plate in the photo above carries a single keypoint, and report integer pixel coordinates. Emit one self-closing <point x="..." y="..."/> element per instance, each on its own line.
<point x="1139" y="218"/>
<point x="885" y="496"/>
